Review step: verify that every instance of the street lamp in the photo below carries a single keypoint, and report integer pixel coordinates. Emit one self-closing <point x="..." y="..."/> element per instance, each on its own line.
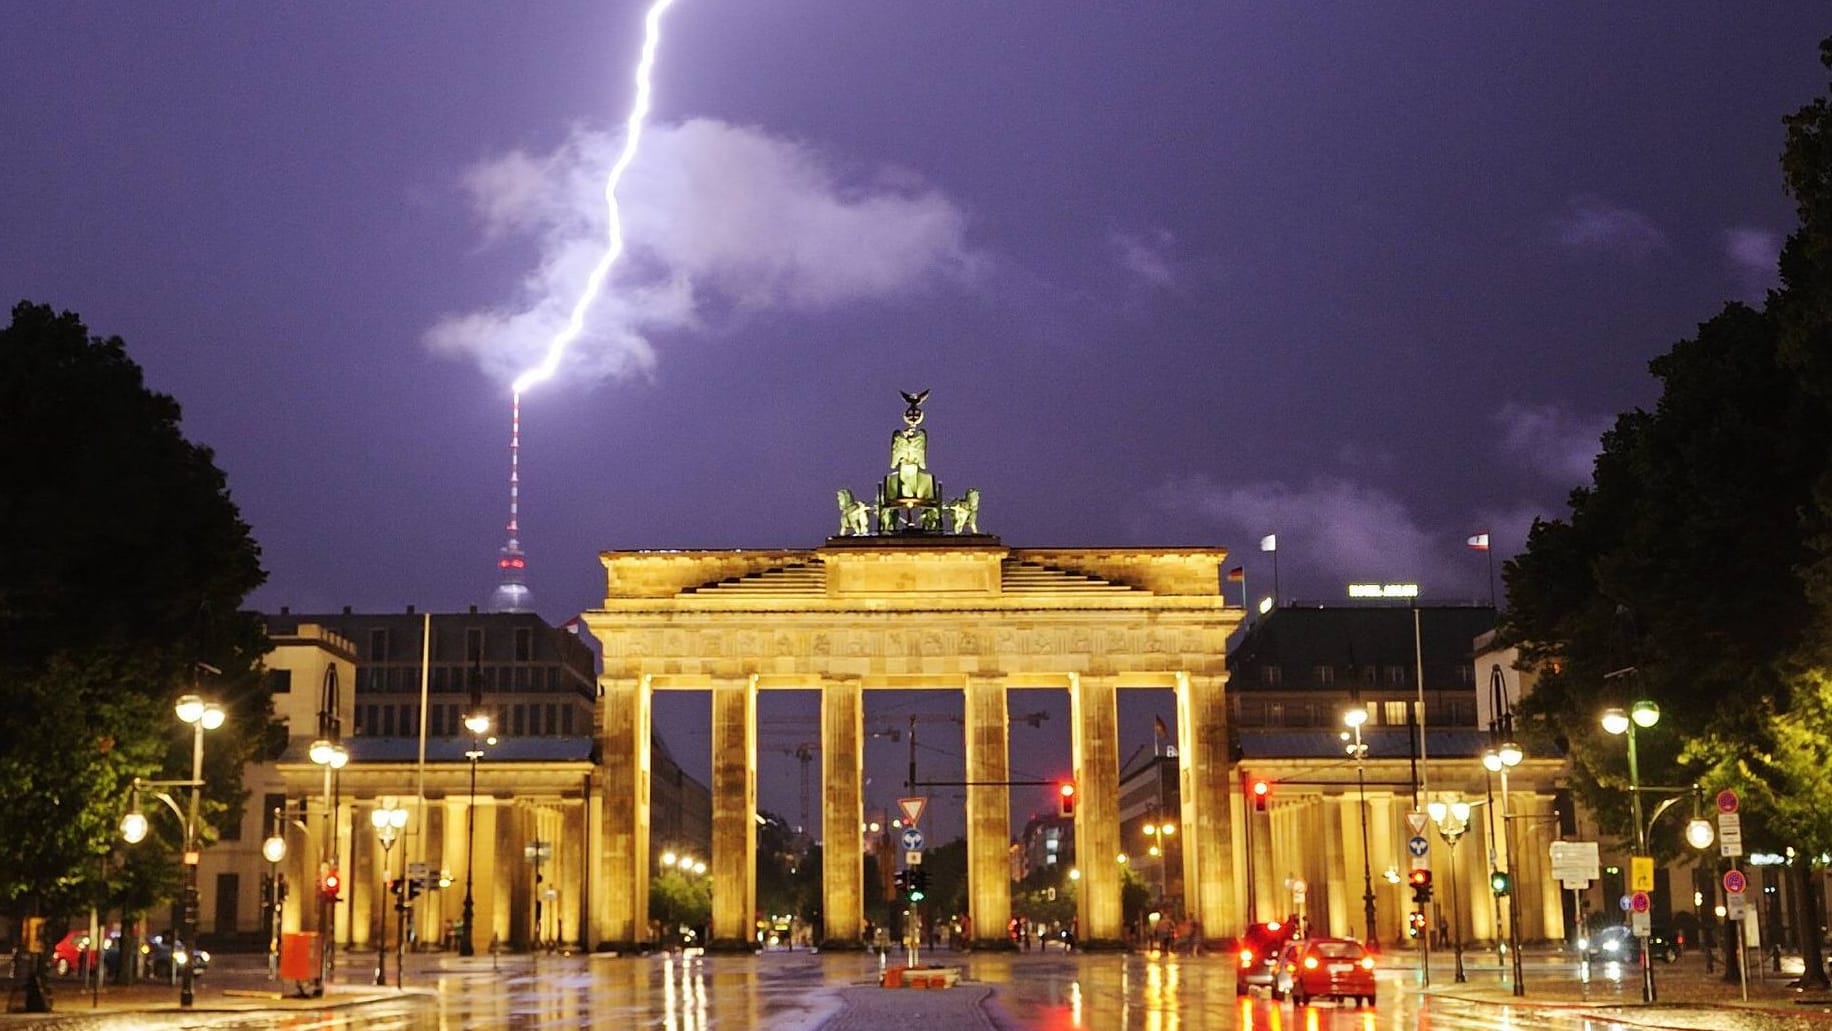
<point x="274" y="850"/>
<point x="1452" y="819"/>
<point x="202" y="716"/>
<point x="1500" y="759"/>
<point x="1355" y="718"/>
<point x="388" y="821"/>
<point x="478" y="723"/>
<point x="1643" y="714"/>
<point x="1159" y="850"/>
<point x="328" y="751"/>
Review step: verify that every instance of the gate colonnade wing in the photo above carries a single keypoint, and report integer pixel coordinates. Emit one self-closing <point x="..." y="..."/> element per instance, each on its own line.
<point x="958" y="612"/>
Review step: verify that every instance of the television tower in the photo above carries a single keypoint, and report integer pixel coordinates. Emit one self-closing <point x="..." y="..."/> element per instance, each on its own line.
<point x="512" y="594"/>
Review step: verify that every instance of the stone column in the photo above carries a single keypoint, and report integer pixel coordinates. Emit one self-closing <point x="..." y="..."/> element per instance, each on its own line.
<point x="1095" y="722"/>
<point x="988" y="811"/>
<point x="620" y="910"/>
<point x="1208" y="792"/>
<point x="842" y="814"/>
<point x="734" y="814"/>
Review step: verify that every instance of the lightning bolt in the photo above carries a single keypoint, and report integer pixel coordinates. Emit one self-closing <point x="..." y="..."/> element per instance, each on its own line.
<point x="632" y="139"/>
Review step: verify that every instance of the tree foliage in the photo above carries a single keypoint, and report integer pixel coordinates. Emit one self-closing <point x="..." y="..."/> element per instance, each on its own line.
<point x="126" y="566"/>
<point x="1696" y="568"/>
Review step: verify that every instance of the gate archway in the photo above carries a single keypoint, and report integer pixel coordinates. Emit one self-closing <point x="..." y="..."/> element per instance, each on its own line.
<point x="958" y="612"/>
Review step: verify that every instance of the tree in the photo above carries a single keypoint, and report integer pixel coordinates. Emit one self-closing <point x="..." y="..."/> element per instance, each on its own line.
<point x="1696" y="569"/>
<point x="126" y="567"/>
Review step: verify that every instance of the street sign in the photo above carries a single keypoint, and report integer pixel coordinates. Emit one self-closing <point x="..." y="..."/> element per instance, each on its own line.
<point x="912" y="859"/>
<point x="1298" y="888"/>
<point x="1417" y="821"/>
<point x="1640" y="923"/>
<point x="1736" y="904"/>
<point x="1730" y="834"/>
<point x="416" y="871"/>
<point x="1418" y="846"/>
<point x="1727" y="801"/>
<point x="1575" y="861"/>
<point x="912" y="839"/>
<point x="1627" y="903"/>
<point x="1641" y="873"/>
<point x="912" y="808"/>
<point x="1734" y="882"/>
<point x="1638" y="902"/>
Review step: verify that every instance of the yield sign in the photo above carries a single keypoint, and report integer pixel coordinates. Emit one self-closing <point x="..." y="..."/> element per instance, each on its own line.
<point x="912" y="809"/>
<point x="1417" y="822"/>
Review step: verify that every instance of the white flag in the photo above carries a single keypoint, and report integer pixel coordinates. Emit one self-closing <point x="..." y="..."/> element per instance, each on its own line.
<point x="1479" y="542"/>
<point x="1270" y="542"/>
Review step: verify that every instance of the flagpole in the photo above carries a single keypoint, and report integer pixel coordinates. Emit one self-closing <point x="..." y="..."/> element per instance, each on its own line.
<point x="1491" y="560"/>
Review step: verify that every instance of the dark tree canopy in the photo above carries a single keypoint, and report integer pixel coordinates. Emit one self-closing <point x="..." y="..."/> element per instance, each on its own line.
<point x="126" y="567"/>
<point x="1700" y="559"/>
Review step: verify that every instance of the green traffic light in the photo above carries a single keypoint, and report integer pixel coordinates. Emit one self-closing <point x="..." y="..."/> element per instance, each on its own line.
<point x="1501" y="882"/>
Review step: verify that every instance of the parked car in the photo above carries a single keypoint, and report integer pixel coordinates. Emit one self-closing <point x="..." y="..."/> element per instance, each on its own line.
<point x="1258" y="951"/>
<point x="164" y="956"/>
<point x="1337" y="968"/>
<point x="72" y="954"/>
<point x="1618" y="944"/>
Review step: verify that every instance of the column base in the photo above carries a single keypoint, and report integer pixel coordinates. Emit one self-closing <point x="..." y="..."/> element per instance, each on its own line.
<point x="1101" y="945"/>
<point x="994" y="945"/>
<point x="624" y="948"/>
<point x="842" y="945"/>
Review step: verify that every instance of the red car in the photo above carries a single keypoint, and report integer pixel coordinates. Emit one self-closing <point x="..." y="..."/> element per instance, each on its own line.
<point x="1258" y="950"/>
<point x="72" y="953"/>
<point x="1337" y="968"/>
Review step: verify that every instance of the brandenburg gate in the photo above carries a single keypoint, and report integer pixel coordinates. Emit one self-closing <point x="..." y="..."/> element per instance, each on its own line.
<point x="915" y="599"/>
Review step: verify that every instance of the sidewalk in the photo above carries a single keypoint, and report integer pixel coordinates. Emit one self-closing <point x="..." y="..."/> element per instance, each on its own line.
<point x="1555" y="983"/>
<point x="232" y="987"/>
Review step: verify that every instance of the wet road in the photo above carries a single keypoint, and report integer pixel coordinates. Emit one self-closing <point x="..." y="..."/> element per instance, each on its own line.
<point x="804" y="992"/>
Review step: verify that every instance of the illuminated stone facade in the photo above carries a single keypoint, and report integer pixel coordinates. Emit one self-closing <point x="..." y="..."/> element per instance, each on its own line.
<point x="941" y="612"/>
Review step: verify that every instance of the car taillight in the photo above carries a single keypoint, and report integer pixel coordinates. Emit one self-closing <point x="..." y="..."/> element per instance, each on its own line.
<point x="1367" y="962"/>
<point x="1310" y="962"/>
<point x="1246" y="957"/>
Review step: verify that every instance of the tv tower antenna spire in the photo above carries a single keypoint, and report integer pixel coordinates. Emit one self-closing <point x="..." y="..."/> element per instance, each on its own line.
<point x="512" y="594"/>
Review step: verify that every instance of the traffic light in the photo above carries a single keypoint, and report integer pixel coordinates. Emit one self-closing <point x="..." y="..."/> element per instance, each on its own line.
<point x="415" y="885"/>
<point x="1261" y="791"/>
<point x="267" y="891"/>
<point x="1415" y="924"/>
<point x="1502" y="882"/>
<point x="279" y="888"/>
<point x="919" y="884"/>
<point x="1065" y="799"/>
<point x="1421" y="885"/>
<point x="330" y="886"/>
<point x="903" y="883"/>
<point x="394" y="885"/>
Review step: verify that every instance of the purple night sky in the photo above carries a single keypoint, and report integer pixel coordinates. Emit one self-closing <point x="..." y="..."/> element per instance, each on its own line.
<point x="1372" y="278"/>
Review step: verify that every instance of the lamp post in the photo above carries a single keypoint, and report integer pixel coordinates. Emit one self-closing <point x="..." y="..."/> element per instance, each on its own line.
<point x="274" y="850"/>
<point x="1501" y="759"/>
<point x="478" y="723"/>
<point x="388" y="821"/>
<point x="1157" y="830"/>
<point x="1452" y="819"/>
<point x="1642" y="714"/>
<point x="1355" y="718"/>
<point x="202" y="716"/>
<point x="328" y="751"/>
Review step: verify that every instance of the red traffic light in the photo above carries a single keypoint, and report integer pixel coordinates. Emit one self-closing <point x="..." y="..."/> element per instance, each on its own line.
<point x="332" y="885"/>
<point x="1065" y="798"/>
<point x="1261" y="791"/>
<point x="1420" y="878"/>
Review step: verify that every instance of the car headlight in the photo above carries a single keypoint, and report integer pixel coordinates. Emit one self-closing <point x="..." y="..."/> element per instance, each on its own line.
<point x="1583" y="944"/>
<point x="180" y="957"/>
<point x="1610" y="946"/>
<point x="203" y="956"/>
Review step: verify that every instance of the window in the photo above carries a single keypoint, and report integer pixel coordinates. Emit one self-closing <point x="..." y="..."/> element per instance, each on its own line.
<point x="473" y="644"/>
<point x="1466" y="675"/>
<point x="1393" y="714"/>
<point x="1324" y="674"/>
<point x="1370" y="675"/>
<point x="1396" y="675"/>
<point x="279" y="681"/>
<point x="1271" y="675"/>
<point x="378" y="645"/>
<point x="553" y="720"/>
<point x="566" y="720"/>
<point x="521" y="720"/>
<point x="407" y="717"/>
<point x="524" y="644"/>
<point x="228" y="887"/>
